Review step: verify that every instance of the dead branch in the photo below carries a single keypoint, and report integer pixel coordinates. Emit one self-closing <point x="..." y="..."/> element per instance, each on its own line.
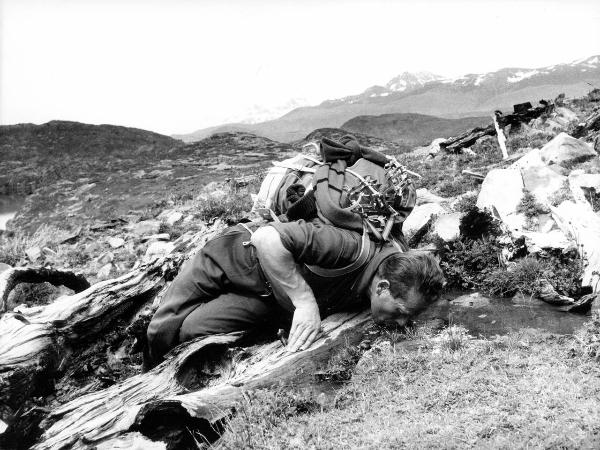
<point x="10" y="278"/>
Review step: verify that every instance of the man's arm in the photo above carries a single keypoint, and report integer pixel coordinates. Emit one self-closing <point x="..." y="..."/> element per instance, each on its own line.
<point x="279" y="265"/>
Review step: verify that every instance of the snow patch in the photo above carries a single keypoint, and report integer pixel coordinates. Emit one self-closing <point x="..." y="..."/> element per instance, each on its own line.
<point x="521" y="75"/>
<point x="384" y="94"/>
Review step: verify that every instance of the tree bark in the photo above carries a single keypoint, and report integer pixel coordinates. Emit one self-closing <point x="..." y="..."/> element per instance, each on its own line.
<point x="10" y="278"/>
<point x="198" y="385"/>
<point x="36" y="341"/>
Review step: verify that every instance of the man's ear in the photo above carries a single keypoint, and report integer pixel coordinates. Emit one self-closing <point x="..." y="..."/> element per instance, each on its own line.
<point x="382" y="285"/>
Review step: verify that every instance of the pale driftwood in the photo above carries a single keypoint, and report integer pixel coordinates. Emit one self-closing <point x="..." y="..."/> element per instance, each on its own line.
<point x="501" y="137"/>
<point x="476" y="175"/>
<point x="456" y="144"/>
<point x="10" y="278"/>
<point x="111" y="414"/>
<point x="34" y="341"/>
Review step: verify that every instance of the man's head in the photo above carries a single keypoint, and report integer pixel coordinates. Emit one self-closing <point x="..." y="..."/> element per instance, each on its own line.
<point x="404" y="285"/>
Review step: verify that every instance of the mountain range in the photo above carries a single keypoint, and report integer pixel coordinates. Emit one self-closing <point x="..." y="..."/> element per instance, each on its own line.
<point x="429" y="94"/>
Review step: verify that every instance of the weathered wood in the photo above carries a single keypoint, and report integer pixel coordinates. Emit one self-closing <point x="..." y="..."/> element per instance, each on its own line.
<point x="476" y="175"/>
<point x="200" y="381"/>
<point x="500" y="136"/>
<point x="34" y="341"/>
<point x="467" y="139"/>
<point x="10" y="278"/>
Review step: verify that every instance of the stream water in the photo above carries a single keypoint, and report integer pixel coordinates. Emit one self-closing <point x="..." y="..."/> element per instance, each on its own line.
<point x="9" y="206"/>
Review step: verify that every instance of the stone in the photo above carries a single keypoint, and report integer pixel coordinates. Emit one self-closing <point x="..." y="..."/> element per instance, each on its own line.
<point x="565" y="150"/>
<point x="420" y="216"/>
<point x="173" y="218"/>
<point x="532" y="158"/>
<point x="474" y="300"/>
<point x="502" y="190"/>
<point x="104" y="272"/>
<point x="157" y="237"/>
<point x="447" y="226"/>
<point x="545" y="223"/>
<point x="33" y="253"/>
<point x="146" y="227"/>
<point x="4" y="267"/>
<point x="536" y="241"/>
<point x="115" y="242"/>
<point x="542" y="182"/>
<point x="159" y="248"/>
<point x="580" y="222"/>
<point x="566" y="114"/>
<point x="425" y="196"/>
<point x="105" y="258"/>
<point x="582" y="183"/>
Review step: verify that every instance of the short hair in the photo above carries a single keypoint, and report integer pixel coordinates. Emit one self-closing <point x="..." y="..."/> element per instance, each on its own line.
<point x="413" y="269"/>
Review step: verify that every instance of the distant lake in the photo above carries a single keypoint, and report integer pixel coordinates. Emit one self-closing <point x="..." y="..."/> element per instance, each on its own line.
<point x="9" y="206"/>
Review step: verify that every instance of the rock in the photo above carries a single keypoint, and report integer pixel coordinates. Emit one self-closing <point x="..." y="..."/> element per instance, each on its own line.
<point x="532" y="158"/>
<point x="159" y="248"/>
<point x="565" y="150"/>
<point x="582" y="183"/>
<point x="173" y="218"/>
<point x="157" y="237"/>
<point x="420" y="216"/>
<point x="580" y="222"/>
<point x="536" y="241"/>
<point x="566" y="114"/>
<point x="116" y="242"/>
<point x="218" y="195"/>
<point x="146" y="227"/>
<point x="501" y="190"/>
<point x="546" y="223"/>
<point x="424" y="196"/>
<point x="4" y="267"/>
<point x="474" y="300"/>
<point x="597" y="144"/>
<point x="447" y="226"/>
<point x="33" y="253"/>
<point x="105" y="258"/>
<point x="542" y="182"/>
<point x="104" y="272"/>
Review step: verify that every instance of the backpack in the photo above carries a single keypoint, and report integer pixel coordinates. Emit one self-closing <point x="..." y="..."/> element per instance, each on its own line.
<point x="349" y="186"/>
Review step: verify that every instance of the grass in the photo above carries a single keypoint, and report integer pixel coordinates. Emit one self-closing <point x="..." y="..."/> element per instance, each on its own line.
<point x="524" y="390"/>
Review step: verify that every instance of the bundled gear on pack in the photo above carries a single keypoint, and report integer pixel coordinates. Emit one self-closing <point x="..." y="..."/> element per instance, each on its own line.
<point x="351" y="187"/>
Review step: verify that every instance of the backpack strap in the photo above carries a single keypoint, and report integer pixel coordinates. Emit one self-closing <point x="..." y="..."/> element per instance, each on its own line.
<point x="363" y="258"/>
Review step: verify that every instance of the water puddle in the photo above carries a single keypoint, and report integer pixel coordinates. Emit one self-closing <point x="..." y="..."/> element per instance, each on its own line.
<point x="9" y="206"/>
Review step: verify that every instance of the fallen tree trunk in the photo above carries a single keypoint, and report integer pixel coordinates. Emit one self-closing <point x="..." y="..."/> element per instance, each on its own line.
<point x="12" y="277"/>
<point x="194" y="389"/>
<point x="35" y="343"/>
<point x="456" y="144"/>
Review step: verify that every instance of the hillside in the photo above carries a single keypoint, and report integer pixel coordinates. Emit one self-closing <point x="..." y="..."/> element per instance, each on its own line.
<point x="414" y="129"/>
<point x="469" y="95"/>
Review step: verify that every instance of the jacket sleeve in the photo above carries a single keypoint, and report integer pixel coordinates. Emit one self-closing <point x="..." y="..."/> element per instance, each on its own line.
<point x="318" y="244"/>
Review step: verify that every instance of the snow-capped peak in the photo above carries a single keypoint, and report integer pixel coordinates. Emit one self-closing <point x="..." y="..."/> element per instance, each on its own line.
<point x="408" y="80"/>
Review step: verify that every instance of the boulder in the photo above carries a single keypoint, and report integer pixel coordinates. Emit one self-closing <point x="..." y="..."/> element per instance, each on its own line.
<point x="33" y="253"/>
<point x="115" y="242"/>
<point x="581" y="223"/>
<point x="424" y="196"/>
<point x="536" y="241"/>
<point x="581" y="183"/>
<point x="532" y="158"/>
<point x="565" y="150"/>
<point x="542" y="182"/>
<point x="170" y="217"/>
<point x="502" y="190"/>
<point x="447" y="226"/>
<point x="146" y="227"/>
<point x="159" y="248"/>
<point x="566" y="114"/>
<point x="420" y="216"/>
<point x="4" y="267"/>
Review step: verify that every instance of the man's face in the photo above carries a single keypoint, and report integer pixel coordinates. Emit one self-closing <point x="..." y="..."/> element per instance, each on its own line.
<point x="387" y="309"/>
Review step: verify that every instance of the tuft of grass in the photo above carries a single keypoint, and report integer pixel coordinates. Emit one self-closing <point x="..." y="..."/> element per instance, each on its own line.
<point x="483" y="395"/>
<point x="452" y="339"/>
<point x="588" y="338"/>
<point x="13" y="246"/>
<point x="466" y="203"/>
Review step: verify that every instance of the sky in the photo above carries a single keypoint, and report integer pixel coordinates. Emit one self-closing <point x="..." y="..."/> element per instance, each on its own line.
<point x="180" y="65"/>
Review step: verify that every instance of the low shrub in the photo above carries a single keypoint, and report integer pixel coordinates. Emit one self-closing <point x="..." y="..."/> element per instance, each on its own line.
<point x="531" y="208"/>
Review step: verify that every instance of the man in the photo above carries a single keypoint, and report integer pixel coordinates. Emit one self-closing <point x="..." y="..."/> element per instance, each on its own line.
<point x="249" y="277"/>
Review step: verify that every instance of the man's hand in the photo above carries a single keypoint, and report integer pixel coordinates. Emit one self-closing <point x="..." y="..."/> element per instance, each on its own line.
<point x="306" y="326"/>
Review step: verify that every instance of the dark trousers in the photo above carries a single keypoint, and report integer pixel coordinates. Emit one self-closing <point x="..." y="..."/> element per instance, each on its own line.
<point x="220" y="290"/>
